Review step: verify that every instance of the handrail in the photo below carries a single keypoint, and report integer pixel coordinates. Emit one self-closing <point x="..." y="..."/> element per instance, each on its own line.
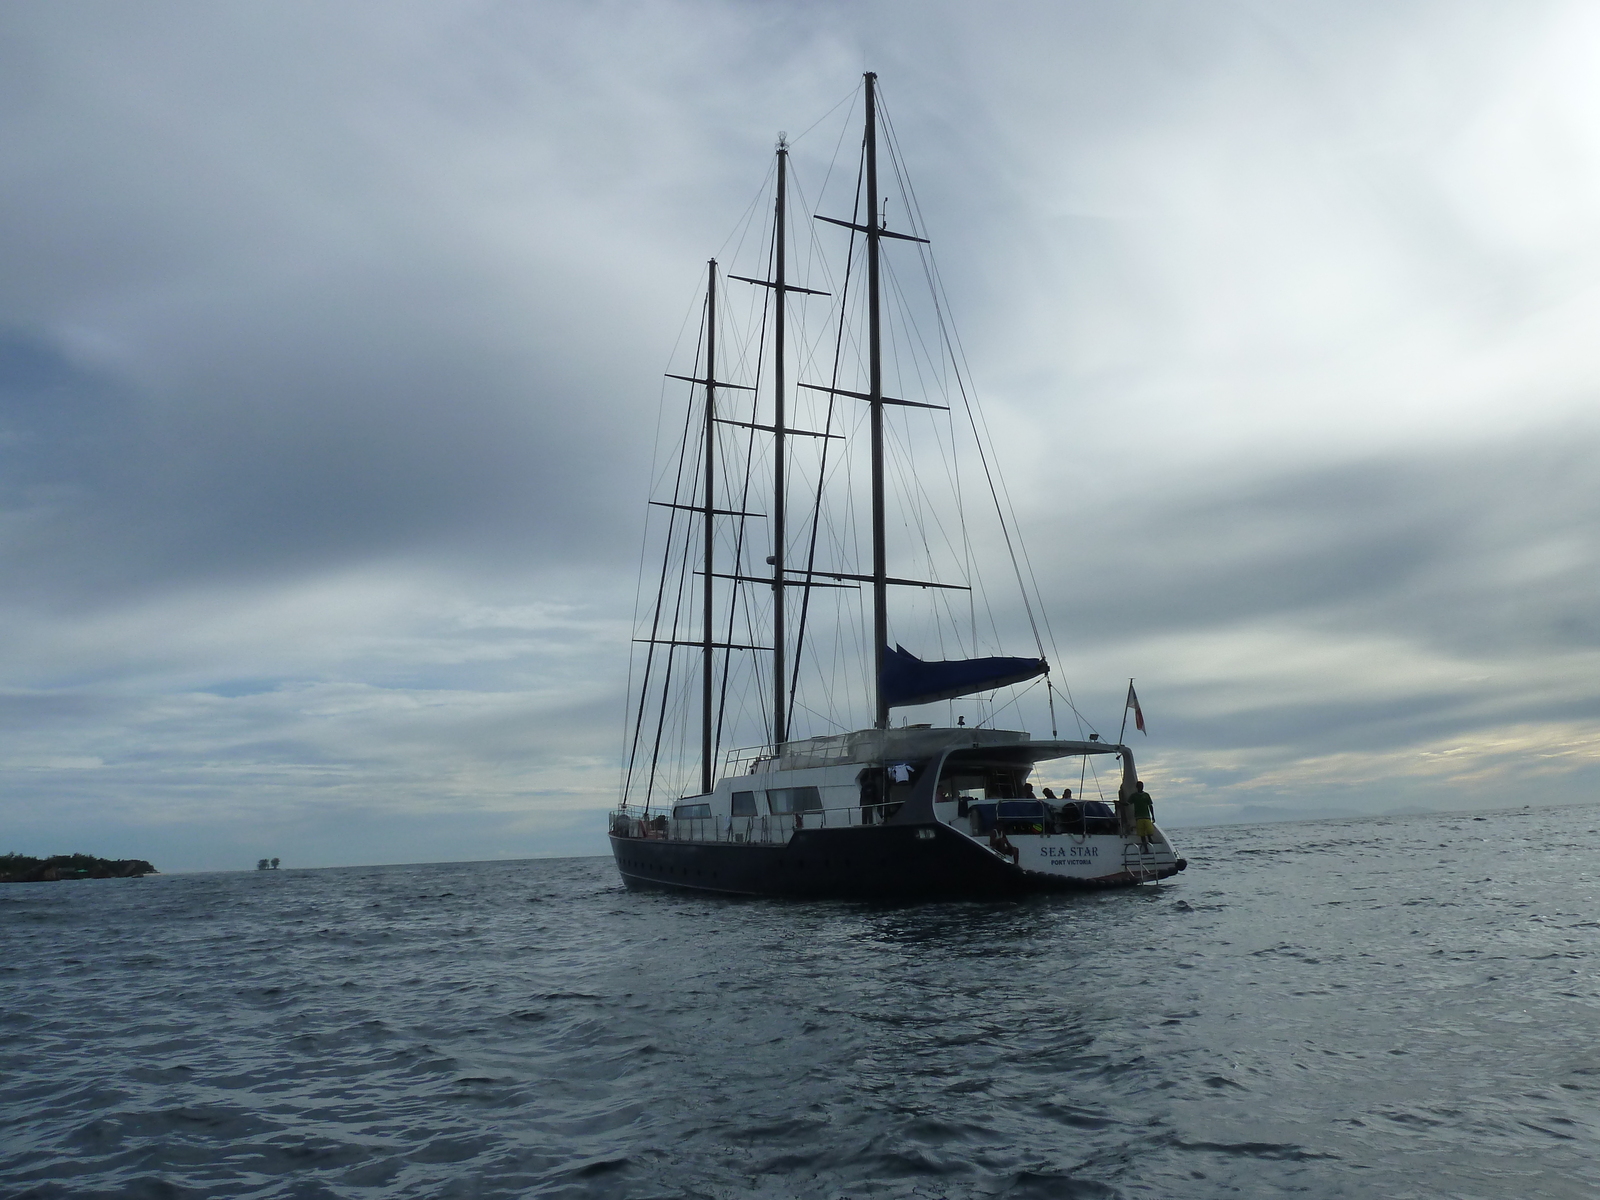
<point x="772" y="828"/>
<point x="744" y="760"/>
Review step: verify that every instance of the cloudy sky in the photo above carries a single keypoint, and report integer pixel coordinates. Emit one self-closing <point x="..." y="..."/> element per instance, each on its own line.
<point x="330" y="351"/>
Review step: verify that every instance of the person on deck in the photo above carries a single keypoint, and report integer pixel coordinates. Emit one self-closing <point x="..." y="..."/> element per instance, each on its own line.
<point x="1144" y="816"/>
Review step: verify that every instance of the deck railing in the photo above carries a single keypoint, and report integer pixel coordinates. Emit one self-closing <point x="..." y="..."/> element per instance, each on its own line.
<point x="745" y="759"/>
<point x="773" y="828"/>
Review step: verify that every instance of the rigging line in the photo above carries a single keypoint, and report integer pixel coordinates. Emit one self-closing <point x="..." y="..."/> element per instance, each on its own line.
<point x="644" y="546"/>
<point x="1084" y="724"/>
<point x="844" y="132"/>
<point x="742" y="226"/>
<point x="677" y="610"/>
<point x="952" y="342"/>
<point x="825" y="719"/>
<point x="754" y="302"/>
<point x="661" y="587"/>
<point x="1099" y="788"/>
<point x="697" y="306"/>
<point x="813" y="242"/>
<point x="666" y="687"/>
<point x="845" y="99"/>
<point x="768" y="307"/>
<point x="644" y="683"/>
<point x="738" y="541"/>
<point x="760" y="685"/>
<point x="902" y="176"/>
<point x="914" y="505"/>
<point x="943" y="602"/>
<point x="921" y="357"/>
<point x="1016" y="699"/>
<point x="952" y="337"/>
<point x="827" y="427"/>
<point x="988" y="474"/>
<point x="630" y="747"/>
<point x="936" y="290"/>
<point x="661" y="716"/>
<point x="904" y="428"/>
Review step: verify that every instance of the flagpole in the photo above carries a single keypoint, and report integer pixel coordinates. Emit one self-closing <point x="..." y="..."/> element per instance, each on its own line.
<point x="1124" y="728"/>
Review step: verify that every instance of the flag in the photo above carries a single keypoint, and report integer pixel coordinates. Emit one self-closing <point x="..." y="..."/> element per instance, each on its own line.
<point x="1138" y="713"/>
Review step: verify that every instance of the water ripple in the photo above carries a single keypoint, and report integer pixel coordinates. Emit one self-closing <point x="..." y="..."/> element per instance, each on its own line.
<point x="1391" y="1007"/>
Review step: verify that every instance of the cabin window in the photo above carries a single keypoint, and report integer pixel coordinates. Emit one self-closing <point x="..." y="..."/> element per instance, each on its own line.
<point x="964" y="787"/>
<point x="793" y="800"/>
<point x="1007" y="785"/>
<point x="691" y="812"/>
<point x="744" y="804"/>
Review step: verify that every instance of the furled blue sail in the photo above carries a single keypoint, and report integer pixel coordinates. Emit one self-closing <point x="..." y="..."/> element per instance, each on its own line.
<point x="908" y="680"/>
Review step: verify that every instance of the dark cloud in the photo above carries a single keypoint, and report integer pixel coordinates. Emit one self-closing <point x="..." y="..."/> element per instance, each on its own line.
<point x="1476" y="548"/>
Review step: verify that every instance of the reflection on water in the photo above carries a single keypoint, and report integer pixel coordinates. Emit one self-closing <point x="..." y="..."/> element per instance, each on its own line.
<point x="1391" y="1007"/>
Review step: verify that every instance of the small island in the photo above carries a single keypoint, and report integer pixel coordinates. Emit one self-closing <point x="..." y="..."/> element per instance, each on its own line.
<point x="24" y="868"/>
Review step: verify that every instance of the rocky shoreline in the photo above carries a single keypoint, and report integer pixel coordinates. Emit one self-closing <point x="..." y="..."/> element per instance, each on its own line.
<point x="24" y="868"/>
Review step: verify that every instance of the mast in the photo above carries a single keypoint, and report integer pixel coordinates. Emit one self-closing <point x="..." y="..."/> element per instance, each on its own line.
<point x="880" y="587"/>
<point x="779" y="723"/>
<point x="710" y="529"/>
<point x="779" y="283"/>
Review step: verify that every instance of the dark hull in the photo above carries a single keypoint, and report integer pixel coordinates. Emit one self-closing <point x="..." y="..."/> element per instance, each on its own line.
<point x="877" y="862"/>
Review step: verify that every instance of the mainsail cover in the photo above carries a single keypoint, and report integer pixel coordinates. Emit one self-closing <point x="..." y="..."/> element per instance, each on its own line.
<point x="908" y="680"/>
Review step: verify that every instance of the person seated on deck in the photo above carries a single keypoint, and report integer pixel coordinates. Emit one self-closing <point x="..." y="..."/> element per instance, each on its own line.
<point x="1049" y="795"/>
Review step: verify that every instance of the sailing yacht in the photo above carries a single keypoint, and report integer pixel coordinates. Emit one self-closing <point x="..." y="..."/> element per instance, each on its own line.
<point x="921" y="810"/>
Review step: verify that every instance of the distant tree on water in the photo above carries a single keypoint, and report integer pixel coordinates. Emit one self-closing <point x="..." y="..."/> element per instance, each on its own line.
<point x="266" y="864"/>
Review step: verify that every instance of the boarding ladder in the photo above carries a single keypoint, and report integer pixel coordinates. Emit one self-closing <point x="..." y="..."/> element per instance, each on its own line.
<point x="1141" y="866"/>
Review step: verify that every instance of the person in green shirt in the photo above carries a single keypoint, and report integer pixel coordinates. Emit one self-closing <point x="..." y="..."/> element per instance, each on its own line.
<point x="1144" y="816"/>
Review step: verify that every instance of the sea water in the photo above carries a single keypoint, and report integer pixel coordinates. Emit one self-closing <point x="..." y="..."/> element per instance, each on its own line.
<point x="1403" y="1007"/>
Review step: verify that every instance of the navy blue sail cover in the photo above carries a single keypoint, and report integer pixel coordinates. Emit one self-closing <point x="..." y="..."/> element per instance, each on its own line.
<point x="907" y="680"/>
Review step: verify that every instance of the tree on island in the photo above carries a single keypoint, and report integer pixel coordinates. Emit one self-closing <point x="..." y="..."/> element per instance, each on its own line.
<point x="24" y="868"/>
<point x="266" y="864"/>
